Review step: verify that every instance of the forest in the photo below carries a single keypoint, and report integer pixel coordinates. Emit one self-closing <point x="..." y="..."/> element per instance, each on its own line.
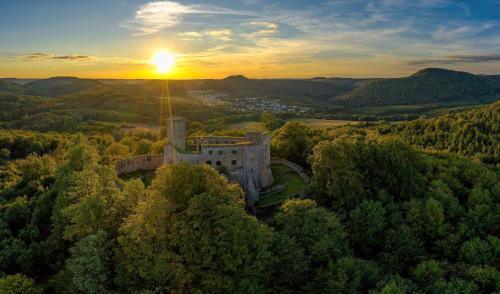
<point x="410" y="207"/>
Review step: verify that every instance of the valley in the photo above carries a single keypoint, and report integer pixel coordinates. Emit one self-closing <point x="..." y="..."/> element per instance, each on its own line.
<point x="72" y="104"/>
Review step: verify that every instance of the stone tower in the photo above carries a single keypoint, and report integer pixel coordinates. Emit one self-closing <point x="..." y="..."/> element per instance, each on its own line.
<point x="176" y="134"/>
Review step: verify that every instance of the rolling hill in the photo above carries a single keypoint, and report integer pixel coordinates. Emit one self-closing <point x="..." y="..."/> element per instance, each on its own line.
<point x="431" y="85"/>
<point x="63" y="99"/>
<point x="10" y="87"/>
<point x="470" y="132"/>
<point x="72" y="104"/>
<point x="303" y="91"/>
<point x="18" y="81"/>
<point x="60" y="86"/>
<point x="154" y="88"/>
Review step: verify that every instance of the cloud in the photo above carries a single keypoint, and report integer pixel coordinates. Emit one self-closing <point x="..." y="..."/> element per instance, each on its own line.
<point x="152" y="17"/>
<point x="268" y="28"/>
<point x="38" y="56"/>
<point x="461" y="30"/>
<point x="416" y="3"/>
<point x="191" y="34"/>
<point x="187" y="36"/>
<point x="453" y="59"/>
<point x="223" y="34"/>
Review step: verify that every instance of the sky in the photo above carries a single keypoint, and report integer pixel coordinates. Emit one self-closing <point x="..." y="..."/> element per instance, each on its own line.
<point x="255" y="38"/>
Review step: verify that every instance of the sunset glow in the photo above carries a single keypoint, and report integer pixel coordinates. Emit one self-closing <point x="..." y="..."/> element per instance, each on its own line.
<point x="215" y="38"/>
<point x="164" y="61"/>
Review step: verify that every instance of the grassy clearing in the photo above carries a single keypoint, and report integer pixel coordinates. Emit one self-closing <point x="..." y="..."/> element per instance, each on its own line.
<point x="324" y="123"/>
<point x="145" y="175"/>
<point x="257" y="126"/>
<point x="252" y="126"/>
<point x="141" y="128"/>
<point x="282" y="175"/>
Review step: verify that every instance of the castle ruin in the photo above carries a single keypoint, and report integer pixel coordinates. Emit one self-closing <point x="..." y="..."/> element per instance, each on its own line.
<point x="245" y="160"/>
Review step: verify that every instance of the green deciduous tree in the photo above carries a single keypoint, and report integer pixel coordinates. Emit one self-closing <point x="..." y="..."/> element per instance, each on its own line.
<point x="271" y="121"/>
<point x="179" y="183"/>
<point x="223" y="249"/>
<point x="89" y="263"/>
<point x="18" y="284"/>
<point x="293" y="141"/>
<point x="366" y="224"/>
<point x="290" y="266"/>
<point x="478" y="252"/>
<point x="434" y="219"/>
<point x="97" y="204"/>
<point x="117" y="151"/>
<point x="347" y="170"/>
<point x="335" y="173"/>
<point x="347" y="275"/>
<point x="191" y="233"/>
<point x="143" y="147"/>
<point x="316" y="229"/>
<point x="429" y="274"/>
<point x="144" y="259"/>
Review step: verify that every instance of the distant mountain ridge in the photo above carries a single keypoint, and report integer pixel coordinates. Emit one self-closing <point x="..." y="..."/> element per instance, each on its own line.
<point x="431" y="85"/>
<point x="300" y="91"/>
<point x="236" y="78"/>
<point x="18" y="81"/>
<point x="427" y="86"/>
<point x="10" y="87"/>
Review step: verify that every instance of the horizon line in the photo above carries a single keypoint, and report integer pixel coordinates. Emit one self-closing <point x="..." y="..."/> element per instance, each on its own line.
<point x="238" y="75"/>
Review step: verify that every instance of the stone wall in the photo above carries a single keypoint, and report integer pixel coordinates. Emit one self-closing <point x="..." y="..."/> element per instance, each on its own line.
<point x="141" y="162"/>
<point x="266" y="175"/>
<point x="295" y="167"/>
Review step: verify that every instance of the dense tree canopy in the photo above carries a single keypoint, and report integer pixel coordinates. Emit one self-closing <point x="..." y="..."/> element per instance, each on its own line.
<point x="293" y="141"/>
<point x="378" y="215"/>
<point x="471" y="132"/>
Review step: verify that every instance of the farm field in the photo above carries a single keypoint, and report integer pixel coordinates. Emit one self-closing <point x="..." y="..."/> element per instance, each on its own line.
<point x="312" y="122"/>
<point x="253" y="126"/>
<point x="324" y="123"/>
<point x="141" y="128"/>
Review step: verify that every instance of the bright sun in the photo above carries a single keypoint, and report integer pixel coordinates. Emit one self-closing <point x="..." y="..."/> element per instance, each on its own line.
<point x="164" y="61"/>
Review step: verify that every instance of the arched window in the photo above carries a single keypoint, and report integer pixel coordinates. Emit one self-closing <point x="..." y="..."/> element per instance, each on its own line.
<point x="209" y="162"/>
<point x="218" y="163"/>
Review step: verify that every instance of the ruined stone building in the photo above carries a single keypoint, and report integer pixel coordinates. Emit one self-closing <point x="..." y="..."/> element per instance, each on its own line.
<point x="245" y="160"/>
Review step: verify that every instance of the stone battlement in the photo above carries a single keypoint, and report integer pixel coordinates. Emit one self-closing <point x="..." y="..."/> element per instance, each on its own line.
<point x="140" y="162"/>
